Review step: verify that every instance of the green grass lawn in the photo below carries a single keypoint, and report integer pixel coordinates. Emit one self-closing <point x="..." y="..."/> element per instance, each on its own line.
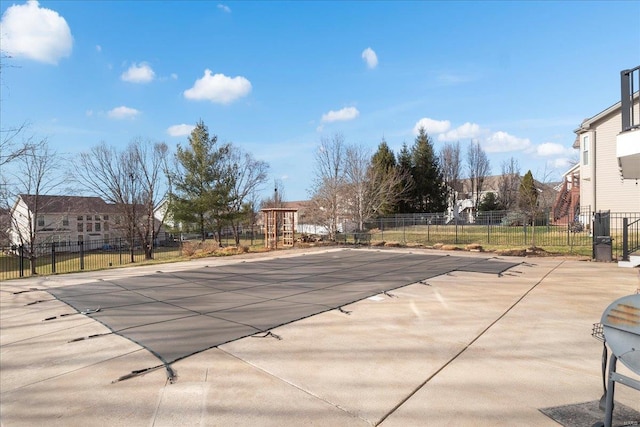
<point x="485" y="235"/>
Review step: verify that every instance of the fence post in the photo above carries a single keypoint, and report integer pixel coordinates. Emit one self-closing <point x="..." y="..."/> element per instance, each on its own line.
<point x="625" y="239"/>
<point x="53" y="257"/>
<point x="456" y="230"/>
<point x="120" y="249"/>
<point x="21" y="262"/>
<point x="404" y="235"/>
<point x="489" y="225"/>
<point x="81" y="255"/>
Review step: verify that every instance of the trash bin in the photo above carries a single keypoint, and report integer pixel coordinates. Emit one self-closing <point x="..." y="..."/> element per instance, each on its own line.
<point x="602" y="249"/>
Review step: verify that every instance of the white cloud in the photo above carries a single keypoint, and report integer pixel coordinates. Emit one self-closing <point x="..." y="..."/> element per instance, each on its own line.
<point x="218" y="88"/>
<point x="500" y="142"/>
<point x="466" y="131"/>
<point x="431" y="126"/>
<point x="562" y="163"/>
<point x="123" y="112"/>
<point x="174" y="76"/>
<point x="347" y="113"/>
<point x="138" y="73"/>
<point x="547" y="149"/>
<point x="180" y="130"/>
<point x="98" y="48"/>
<point x="89" y="113"/>
<point x="224" y="8"/>
<point x="36" y="33"/>
<point x="370" y="57"/>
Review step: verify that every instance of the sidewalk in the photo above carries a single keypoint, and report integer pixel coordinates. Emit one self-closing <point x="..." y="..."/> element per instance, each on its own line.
<point x="466" y="349"/>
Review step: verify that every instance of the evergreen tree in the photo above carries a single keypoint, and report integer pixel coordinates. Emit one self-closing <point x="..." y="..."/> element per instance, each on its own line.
<point x="404" y="168"/>
<point x="383" y="165"/>
<point x="528" y="195"/>
<point x="203" y="182"/>
<point x="528" y="202"/>
<point x="383" y="159"/>
<point x="489" y="202"/>
<point x="429" y="192"/>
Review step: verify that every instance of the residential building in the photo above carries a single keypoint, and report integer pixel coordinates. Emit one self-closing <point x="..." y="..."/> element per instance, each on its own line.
<point x="66" y="221"/>
<point x="465" y="206"/>
<point x="603" y="185"/>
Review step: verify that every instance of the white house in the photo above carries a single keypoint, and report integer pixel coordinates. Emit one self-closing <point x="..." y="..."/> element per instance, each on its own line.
<point x="65" y="220"/>
<point x="602" y="184"/>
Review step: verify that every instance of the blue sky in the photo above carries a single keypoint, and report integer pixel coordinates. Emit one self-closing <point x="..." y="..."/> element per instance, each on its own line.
<point x="276" y="77"/>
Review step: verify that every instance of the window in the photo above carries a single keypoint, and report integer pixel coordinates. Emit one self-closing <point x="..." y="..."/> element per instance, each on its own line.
<point x="80" y="217"/>
<point x="40" y="220"/>
<point x="65" y="220"/>
<point x="106" y="217"/>
<point x="585" y="150"/>
<point x="97" y="227"/>
<point x="80" y="227"/>
<point x="118" y="219"/>
<point x="88" y="217"/>
<point x="106" y="226"/>
<point x="97" y="217"/>
<point x="89" y="226"/>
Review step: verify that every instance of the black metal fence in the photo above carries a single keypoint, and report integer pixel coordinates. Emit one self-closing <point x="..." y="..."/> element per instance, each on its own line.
<point x="491" y="229"/>
<point x="50" y="258"/>
<point x="502" y="228"/>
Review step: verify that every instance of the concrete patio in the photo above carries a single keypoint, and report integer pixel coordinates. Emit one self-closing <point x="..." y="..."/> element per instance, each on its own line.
<point x="464" y="348"/>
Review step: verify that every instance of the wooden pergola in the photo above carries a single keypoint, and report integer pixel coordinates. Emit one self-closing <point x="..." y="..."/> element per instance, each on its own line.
<point x="279" y="224"/>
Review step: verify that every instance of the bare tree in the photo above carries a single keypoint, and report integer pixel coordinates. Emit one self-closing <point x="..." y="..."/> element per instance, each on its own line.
<point x="134" y="181"/>
<point x="451" y="164"/>
<point x="368" y="189"/>
<point x="36" y="175"/>
<point x="151" y="162"/>
<point x="328" y="182"/>
<point x="479" y="169"/>
<point x="356" y="175"/>
<point x="10" y="147"/>
<point x="508" y="184"/>
<point x="249" y="175"/>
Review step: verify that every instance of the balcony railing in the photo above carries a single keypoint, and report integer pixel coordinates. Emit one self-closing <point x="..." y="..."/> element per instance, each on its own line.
<point x="630" y="84"/>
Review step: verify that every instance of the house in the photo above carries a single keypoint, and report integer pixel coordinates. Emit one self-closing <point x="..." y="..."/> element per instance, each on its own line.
<point x="609" y="169"/>
<point x="628" y="140"/>
<point x="608" y="181"/>
<point x="65" y="221"/>
<point x="465" y="206"/>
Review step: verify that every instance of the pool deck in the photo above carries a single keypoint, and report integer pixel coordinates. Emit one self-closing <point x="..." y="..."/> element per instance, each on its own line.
<point x="464" y="349"/>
